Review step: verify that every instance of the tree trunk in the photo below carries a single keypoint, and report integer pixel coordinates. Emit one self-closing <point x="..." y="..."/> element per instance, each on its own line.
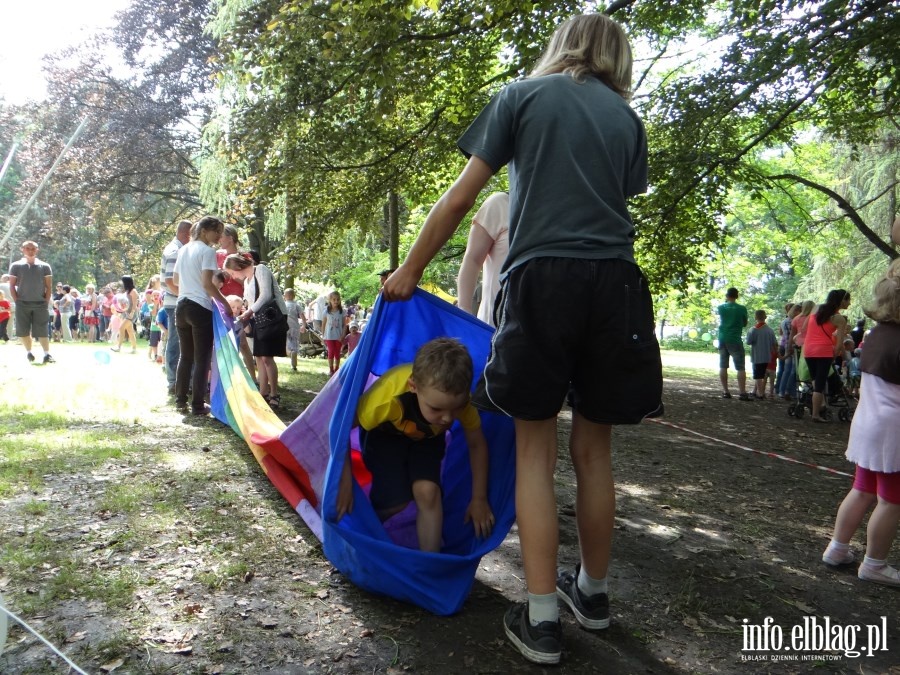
<point x="290" y="227"/>
<point x="393" y="229"/>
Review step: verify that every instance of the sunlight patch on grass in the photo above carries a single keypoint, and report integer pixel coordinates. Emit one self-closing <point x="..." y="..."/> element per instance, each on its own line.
<point x="671" y="373"/>
<point x="47" y="446"/>
<point x="179" y="461"/>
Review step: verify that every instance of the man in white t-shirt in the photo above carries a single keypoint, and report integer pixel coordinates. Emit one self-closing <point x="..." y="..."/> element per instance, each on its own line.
<point x="486" y="252"/>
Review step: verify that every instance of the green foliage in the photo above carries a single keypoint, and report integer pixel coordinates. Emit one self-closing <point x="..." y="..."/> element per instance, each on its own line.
<point x="686" y="345"/>
<point x="320" y="109"/>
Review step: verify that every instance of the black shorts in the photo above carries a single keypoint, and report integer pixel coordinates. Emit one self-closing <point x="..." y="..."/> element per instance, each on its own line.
<point x="576" y="327"/>
<point x="154" y="337"/>
<point x="759" y="370"/>
<point x="819" y="370"/>
<point x="396" y="462"/>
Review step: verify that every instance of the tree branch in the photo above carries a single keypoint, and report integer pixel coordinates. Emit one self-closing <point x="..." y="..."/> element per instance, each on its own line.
<point x="845" y="206"/>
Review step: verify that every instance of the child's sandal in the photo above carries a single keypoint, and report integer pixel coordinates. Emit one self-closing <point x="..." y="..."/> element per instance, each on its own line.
<point x="274" y="402"/>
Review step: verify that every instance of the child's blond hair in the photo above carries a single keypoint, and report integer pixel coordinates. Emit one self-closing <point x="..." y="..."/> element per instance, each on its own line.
<point x="445" y="365"/>
<point x="885" y="307"/>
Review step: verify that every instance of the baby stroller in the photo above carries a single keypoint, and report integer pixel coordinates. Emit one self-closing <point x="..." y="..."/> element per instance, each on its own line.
<point x="311" y="344"/>
<point x="837" y="397"/>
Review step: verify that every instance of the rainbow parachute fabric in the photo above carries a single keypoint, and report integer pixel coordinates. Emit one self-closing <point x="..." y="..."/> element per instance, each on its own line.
<point x="304" y="460"/>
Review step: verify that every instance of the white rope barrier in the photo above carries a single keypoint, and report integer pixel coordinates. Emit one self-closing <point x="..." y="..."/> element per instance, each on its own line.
<point x="4" y="628"/>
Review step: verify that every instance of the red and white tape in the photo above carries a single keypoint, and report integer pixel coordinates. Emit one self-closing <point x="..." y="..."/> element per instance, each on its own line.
<point x="774" y="455"/>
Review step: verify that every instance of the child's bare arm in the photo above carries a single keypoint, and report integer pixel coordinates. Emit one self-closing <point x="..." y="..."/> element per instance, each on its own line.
<point x="479" y="511"/>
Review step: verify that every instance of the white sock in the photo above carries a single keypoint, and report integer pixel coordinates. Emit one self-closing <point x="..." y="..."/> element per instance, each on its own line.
<point x="838" y="547"/>
<point x="542" y="608"/>
<point x="590" y="586"/>
<point x="873" y="563"/>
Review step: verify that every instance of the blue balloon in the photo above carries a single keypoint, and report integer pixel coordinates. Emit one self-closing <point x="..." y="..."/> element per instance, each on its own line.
<point x="102" y="357"/>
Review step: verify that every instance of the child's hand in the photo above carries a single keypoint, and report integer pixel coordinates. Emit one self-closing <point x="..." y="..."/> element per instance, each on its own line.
<point x="345" y="491"/>
<point x="479" y="512"/>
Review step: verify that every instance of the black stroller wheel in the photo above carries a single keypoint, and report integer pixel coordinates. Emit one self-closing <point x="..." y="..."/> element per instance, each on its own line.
<point x="842" y="414"/>
<point x="826" y="413"/>
<point x="798" y="411"/>
<point x="790" y="410"/>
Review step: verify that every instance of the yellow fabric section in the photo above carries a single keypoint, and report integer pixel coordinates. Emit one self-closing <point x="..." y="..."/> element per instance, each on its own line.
<point x="439" y="292"/>
<point x="381" y="405"/>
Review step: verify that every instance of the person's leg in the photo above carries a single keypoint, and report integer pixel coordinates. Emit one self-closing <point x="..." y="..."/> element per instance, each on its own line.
<point x="247" y="355"/>
<point x="851" y="513"/>
<point x="818" y="371"/>
<point x="595" y="502"/>
<point x="430" y="514"/>
<point x="173" y="350"/>
<point x="185" y="361"/>
<point x="882" y="529"/>
<point x="263" y="373"/>
<point x="203" y="349"/>
<point x="723" y="369"/>
<point x="40" y="329"/>
<point x="24" y="317"/>
<point x="788" y="381"/>
<point x="779" y="373"/>
<point x="536" y="449"/>
<point x="268" y="376"/>
<point x="132" y="336"/>
<point x="723" y="379"/>
<point x="272" y="372"/>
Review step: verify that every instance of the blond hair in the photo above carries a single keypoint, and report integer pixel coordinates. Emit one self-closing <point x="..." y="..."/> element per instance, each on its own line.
<point x="806" y="307"/>
<point x="443" y="364"/>
<point x="589" y="44"/>
<point x="885" y="307"/>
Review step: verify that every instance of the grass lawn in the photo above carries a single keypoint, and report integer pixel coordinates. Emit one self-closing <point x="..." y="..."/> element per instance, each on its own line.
<point x="101" y="482"/>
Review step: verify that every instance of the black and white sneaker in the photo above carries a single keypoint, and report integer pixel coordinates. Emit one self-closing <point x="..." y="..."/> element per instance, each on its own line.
<point x="538" y="644"/>
<point x="49" y="359"/>
<point x="30" y="357"/>
<point x="592" y="612"/>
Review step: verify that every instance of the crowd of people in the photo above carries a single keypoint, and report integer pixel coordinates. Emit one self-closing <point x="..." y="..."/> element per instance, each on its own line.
<point x="174" y="312"/>
<point x="813" y="347"/>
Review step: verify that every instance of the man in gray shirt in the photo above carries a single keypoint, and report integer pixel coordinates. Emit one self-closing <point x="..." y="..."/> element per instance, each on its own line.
<point x="30" y="287"/>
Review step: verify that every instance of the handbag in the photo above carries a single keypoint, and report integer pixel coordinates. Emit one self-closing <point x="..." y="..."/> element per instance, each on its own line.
<point x="269" y="319"/>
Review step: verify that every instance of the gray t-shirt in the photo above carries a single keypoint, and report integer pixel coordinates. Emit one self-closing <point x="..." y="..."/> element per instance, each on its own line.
<point x="762" y="343"/>
<point x="575" y="151"/>
<point x="30" y="279"/>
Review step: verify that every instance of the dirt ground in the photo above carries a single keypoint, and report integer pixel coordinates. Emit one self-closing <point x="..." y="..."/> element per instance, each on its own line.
<point x="710" y="539"/>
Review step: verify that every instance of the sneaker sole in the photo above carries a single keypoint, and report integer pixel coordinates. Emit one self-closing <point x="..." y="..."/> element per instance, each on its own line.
<point x="884" y="581"/>
<point x="528" y="652"/>
<point x="590" y="624"/>
<point x="838" y="565"/>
